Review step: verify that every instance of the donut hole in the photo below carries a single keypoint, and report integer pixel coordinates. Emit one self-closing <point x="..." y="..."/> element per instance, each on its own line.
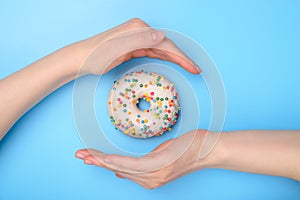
<point x="142" y="104"/>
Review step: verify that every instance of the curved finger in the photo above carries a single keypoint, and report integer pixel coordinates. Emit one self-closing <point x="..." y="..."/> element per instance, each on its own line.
<point x="127" y="25"/>
<point x="119" y="175"/>
<point x="122" y="44"/>
<point x="124" y="58"/>
<point x="112" y="162"/>
<point x="168" y="50"/>
<point x="82" y="153"/>
<point x="151" y="162"/>
<point x="136" y="179"/>
<point x="123" y="163"/>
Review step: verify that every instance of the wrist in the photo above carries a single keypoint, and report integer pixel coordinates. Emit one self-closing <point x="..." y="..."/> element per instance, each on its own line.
<point x="78" y="53"/>
<point x="74" y="56"/>
<point x="217" y="156"/>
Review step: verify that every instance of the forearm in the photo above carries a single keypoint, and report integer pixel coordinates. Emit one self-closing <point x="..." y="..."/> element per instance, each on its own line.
<point x="264" y="152"/>
<point x="132" y="39"/>
<point x="23" y="89"/>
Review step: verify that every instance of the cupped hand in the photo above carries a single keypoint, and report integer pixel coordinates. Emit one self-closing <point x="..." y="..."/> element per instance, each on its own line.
<point x="170" y="160"/>
<point x="131" y="39"/>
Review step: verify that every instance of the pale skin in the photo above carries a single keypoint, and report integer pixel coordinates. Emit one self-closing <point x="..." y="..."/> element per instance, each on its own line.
<point x="256" y="151"/>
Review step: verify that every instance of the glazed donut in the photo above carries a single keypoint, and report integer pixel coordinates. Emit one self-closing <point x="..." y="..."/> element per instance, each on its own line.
<point x="151" y="87"/>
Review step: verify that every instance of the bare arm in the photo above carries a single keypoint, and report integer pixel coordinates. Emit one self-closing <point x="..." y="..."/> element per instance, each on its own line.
<point x="265" y="152"/>
<point x="23" y="89"/>
<point x="134" y="38"/>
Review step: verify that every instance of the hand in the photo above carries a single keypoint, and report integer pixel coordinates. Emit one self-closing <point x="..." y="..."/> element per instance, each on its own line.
<point x="170" y="160"/>
<point x="95" y="55"/>
<point x="132" y="39"/>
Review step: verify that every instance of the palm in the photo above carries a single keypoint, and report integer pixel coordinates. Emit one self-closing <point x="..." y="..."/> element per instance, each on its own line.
<point x="166" y="162"/>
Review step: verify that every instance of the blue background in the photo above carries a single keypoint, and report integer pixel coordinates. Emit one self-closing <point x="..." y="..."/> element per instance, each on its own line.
<point x="255" y="45"/>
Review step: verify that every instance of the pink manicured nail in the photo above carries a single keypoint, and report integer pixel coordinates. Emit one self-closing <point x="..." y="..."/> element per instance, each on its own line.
<point x="198" y="69"/>
<point x="119" y="176"/>
<point x="88" y="162"/>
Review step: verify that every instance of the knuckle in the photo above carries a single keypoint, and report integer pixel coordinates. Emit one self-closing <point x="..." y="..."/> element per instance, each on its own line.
<point x="149" y="187"/>
<point x="146" y="185"/>
<point x="162" y="179"/>
<point x="155" y="185"/>
<point x="156" y="182"/>
<point x="137" y="21"/>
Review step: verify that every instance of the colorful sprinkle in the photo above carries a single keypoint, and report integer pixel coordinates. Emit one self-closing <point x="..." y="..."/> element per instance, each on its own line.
<point x="151" y="87"/>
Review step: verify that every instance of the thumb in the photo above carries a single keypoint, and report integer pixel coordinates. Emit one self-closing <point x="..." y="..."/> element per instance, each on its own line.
<point x="144" y="38"/>
<point x="136" y="39"/>
<point x="157" y="36"/>
<point x="112" y="51"/>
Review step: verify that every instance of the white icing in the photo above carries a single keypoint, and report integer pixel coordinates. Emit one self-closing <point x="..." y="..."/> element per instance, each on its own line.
<point x="125" y="114"/>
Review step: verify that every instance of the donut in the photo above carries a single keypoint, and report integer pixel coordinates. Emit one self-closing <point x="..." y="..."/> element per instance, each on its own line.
<point x="153" y="88"/>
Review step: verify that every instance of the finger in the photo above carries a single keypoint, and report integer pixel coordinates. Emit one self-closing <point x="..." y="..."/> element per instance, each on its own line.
<point x="150" y="162"/>
<point x="82" y="153"/>
<point x="126" y="175"/>
<point x="122" y="163"/>
<point x="168" y="54"/>
<point x="136" y="179"/>
<point x="167" y="50"/>
<point x="101" y="160"/>
<point x="95" y="160"/>
<point x="123" y="44"/>
<point x="132" y="176"/>
<point x="131" y="40"/>
<point x="119" y="175"/>
<point x="124" y="58"/>
<point x="129" y="24"/>
<point x="111" y="162"/>
<point x="98" y="161"/>
<point x="139" y="53"/>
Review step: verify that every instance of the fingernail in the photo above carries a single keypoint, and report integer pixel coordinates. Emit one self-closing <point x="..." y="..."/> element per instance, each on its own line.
<point x="119" y="176"/>
<point x="88" y="162"/>
<point x="197" y="69"/>
<point x="157" y="36"/>
<point x="79" y="155"/>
